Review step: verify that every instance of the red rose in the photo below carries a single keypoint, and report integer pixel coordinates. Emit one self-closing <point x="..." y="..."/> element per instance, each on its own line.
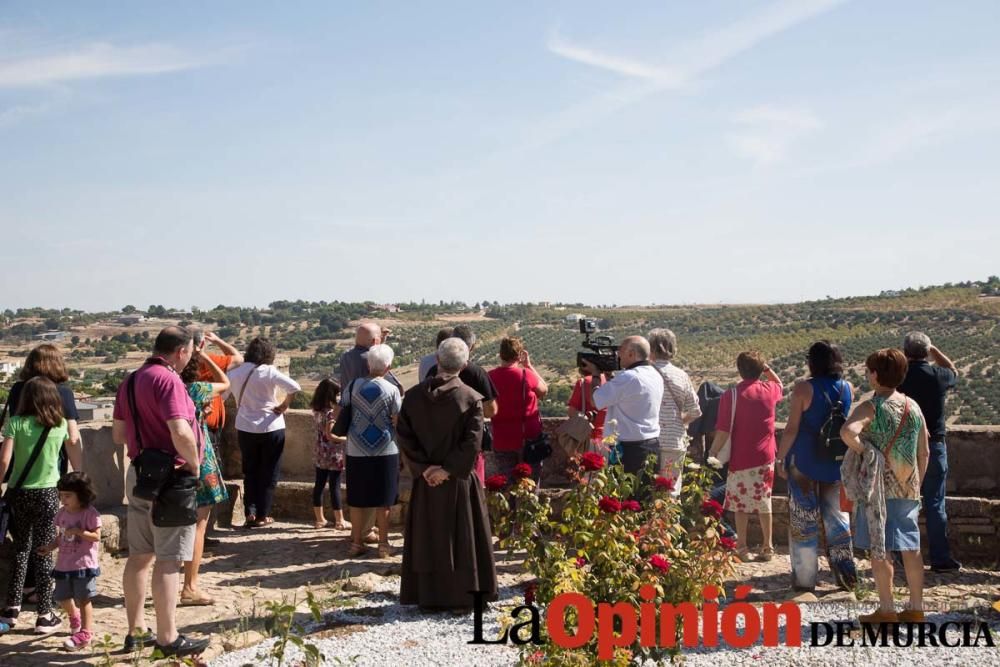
<point x="711" y="508"/>
<point x="610" y="505"/>
<point x="592" y="461"/>
<point x="496" y="483"/>
<point x="529" y="593"/>
<point x="522" y="470"/>
<point x="659" y="562"/>
<point x="664" y="483"/>
<point x="631" y="505"/>
<point x="581" y="561"/>
<point x="728" y="543"/>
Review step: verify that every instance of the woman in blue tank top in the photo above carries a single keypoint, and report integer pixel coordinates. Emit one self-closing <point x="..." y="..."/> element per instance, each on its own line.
<point x="814" y="481"/>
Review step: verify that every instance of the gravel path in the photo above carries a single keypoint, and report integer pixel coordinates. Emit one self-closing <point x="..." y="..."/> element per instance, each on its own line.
<point x="396" y="635"/>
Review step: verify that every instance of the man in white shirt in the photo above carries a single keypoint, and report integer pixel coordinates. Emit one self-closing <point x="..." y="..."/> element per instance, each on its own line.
<point x="632" y="398"/>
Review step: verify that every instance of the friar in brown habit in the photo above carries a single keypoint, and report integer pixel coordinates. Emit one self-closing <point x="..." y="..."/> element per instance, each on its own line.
<point x="447" y="547"/>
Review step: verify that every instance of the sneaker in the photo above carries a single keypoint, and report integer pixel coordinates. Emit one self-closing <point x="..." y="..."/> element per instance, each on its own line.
<point x="9" y="616"/>
<point x="47" y="624"/>
<point x="950" y="565"/>
<point x="80" y="639"/>
<point x="4" y="628"/>
<point x="182" y="646"/>
<point x="137" y="640"/>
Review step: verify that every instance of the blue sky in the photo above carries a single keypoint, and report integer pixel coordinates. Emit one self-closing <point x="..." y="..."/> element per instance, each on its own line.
<point x="654" y="152"/>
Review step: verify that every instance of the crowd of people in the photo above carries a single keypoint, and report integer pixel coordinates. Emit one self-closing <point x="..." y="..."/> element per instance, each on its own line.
<point x="882" y="460"/>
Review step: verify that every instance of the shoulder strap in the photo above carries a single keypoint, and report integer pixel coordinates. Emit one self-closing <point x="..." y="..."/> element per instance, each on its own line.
<point x="133" y="411"/>
<point x="35" y="453"/>
<point x="239" y="399"/>
<point x="732" y="415"/>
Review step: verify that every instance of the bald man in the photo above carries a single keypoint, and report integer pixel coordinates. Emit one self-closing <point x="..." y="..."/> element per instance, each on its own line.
<point x="632" y="398"/>
<point x="354" y="364"/>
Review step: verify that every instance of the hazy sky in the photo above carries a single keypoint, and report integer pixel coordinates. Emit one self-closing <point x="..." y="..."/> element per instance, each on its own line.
<point x="191" y="153"/>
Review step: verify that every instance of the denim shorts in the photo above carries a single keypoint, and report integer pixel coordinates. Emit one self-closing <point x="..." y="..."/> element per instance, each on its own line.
<point x="77" y="588"/>
<point x="901" y="530"/>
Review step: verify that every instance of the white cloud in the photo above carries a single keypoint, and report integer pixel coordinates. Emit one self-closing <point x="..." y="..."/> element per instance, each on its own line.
<point x="624" y="66"/>
<point x="95" y="61"/>
<point x="684" y="65"/>
<point x="767" y="131"/>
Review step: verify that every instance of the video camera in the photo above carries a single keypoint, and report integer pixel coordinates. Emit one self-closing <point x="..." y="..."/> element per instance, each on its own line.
<point x="605" y="350"/>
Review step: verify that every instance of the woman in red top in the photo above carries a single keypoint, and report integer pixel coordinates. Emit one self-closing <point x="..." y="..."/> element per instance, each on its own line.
<point x="519" y="388"/>
<point x="751" y="464"/>
<point x="580" y="404"/>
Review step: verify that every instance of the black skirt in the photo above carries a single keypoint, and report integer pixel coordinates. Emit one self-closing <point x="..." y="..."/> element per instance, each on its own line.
<point x="372" y="481"/>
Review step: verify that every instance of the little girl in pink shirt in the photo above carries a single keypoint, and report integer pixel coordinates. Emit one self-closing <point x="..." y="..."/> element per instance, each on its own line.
<point x="78" y="533"/>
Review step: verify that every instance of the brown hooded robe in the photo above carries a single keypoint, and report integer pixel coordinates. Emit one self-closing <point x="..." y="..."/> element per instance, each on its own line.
<point x="448" y="547"/>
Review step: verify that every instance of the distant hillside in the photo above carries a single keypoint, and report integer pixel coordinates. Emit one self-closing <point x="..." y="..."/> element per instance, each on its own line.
<point x="961" y="319"/>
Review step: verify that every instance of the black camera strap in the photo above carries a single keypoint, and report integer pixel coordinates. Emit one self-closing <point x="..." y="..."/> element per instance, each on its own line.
<point x="133" y="411"/>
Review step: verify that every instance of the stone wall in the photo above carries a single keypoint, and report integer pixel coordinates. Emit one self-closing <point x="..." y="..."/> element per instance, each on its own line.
<point x="973" y="458"/>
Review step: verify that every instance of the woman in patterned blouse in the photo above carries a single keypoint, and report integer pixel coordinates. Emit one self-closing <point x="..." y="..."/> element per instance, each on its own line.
<point x="893" y="424"/>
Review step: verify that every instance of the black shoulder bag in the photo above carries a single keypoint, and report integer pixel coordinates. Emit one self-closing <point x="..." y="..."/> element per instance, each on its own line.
<point x="830" y="448"/>
<point x="536" y="449"/>
<point x="343" y="424"/>
<point x="173" y="492"/>
<point x="6" y="512"/>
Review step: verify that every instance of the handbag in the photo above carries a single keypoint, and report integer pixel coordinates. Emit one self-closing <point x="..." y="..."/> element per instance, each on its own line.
<point x="727" y="449"/>
<point x="177" y="503"/>
<point x="574" y="433"/>
<point x="343" y="423"/>
<point x="6" y="511"/>
<point x="536" y="449"/>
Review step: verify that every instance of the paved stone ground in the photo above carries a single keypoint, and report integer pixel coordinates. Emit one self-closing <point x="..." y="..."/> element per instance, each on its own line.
<point x="252" y="567"/>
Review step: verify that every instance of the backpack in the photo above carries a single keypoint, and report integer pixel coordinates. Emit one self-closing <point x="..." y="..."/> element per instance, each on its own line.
<point x="830" y="448"/>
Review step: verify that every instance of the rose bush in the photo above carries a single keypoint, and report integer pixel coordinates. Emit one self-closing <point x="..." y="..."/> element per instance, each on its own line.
<point x="609" y="540"/>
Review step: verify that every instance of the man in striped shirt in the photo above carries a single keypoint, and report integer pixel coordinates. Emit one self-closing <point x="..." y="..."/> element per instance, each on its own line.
<point x="679" y="407"/>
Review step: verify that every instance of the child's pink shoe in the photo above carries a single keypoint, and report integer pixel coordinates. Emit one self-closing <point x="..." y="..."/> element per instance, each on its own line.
<point x="80" y="639"/>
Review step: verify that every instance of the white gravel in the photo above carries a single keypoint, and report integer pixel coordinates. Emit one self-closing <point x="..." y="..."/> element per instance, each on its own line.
<point x="403" y="636"/>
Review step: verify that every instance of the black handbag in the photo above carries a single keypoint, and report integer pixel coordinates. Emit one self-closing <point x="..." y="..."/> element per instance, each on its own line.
<point x="177" y="503"/>
<point x="536" y="449"/>
<point x="487" y="442"/>
<point x="6" y="512"/>
<point x="343" y="423"/>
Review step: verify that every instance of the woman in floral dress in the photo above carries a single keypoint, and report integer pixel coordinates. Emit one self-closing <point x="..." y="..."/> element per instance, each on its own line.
<point x="211" y="488"/>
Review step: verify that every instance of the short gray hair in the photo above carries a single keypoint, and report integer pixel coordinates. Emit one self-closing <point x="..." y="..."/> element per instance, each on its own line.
<point x="916" y="345"/>
<point x="379" y="358"/>
<point x="452" y="355"/>
<point x="663" y="343"/>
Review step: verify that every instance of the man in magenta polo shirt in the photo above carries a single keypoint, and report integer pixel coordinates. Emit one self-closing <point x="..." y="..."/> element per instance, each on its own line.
<point x="166" y="419"/>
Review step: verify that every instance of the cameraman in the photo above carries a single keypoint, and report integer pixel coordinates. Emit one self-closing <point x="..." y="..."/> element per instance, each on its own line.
<point x="632" y="398"/>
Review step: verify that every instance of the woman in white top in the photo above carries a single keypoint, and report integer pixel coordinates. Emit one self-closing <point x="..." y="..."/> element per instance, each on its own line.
<point x="260" y="426"/>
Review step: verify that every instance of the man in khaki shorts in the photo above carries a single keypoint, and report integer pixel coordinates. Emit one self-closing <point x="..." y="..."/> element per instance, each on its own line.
<point x="163" y="418"/>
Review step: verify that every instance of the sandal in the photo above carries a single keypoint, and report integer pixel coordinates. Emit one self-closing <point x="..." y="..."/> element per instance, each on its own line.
<point x="356" y="550"/>
<point x="371" y="538"/>
<point x="766" y="555"/>
<point x="251" y="521"/>
<point x="199" y="600"/>
<point x="341" y="526"/>
<point x="384" y="550"/>
<point x="260" y="523"/>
